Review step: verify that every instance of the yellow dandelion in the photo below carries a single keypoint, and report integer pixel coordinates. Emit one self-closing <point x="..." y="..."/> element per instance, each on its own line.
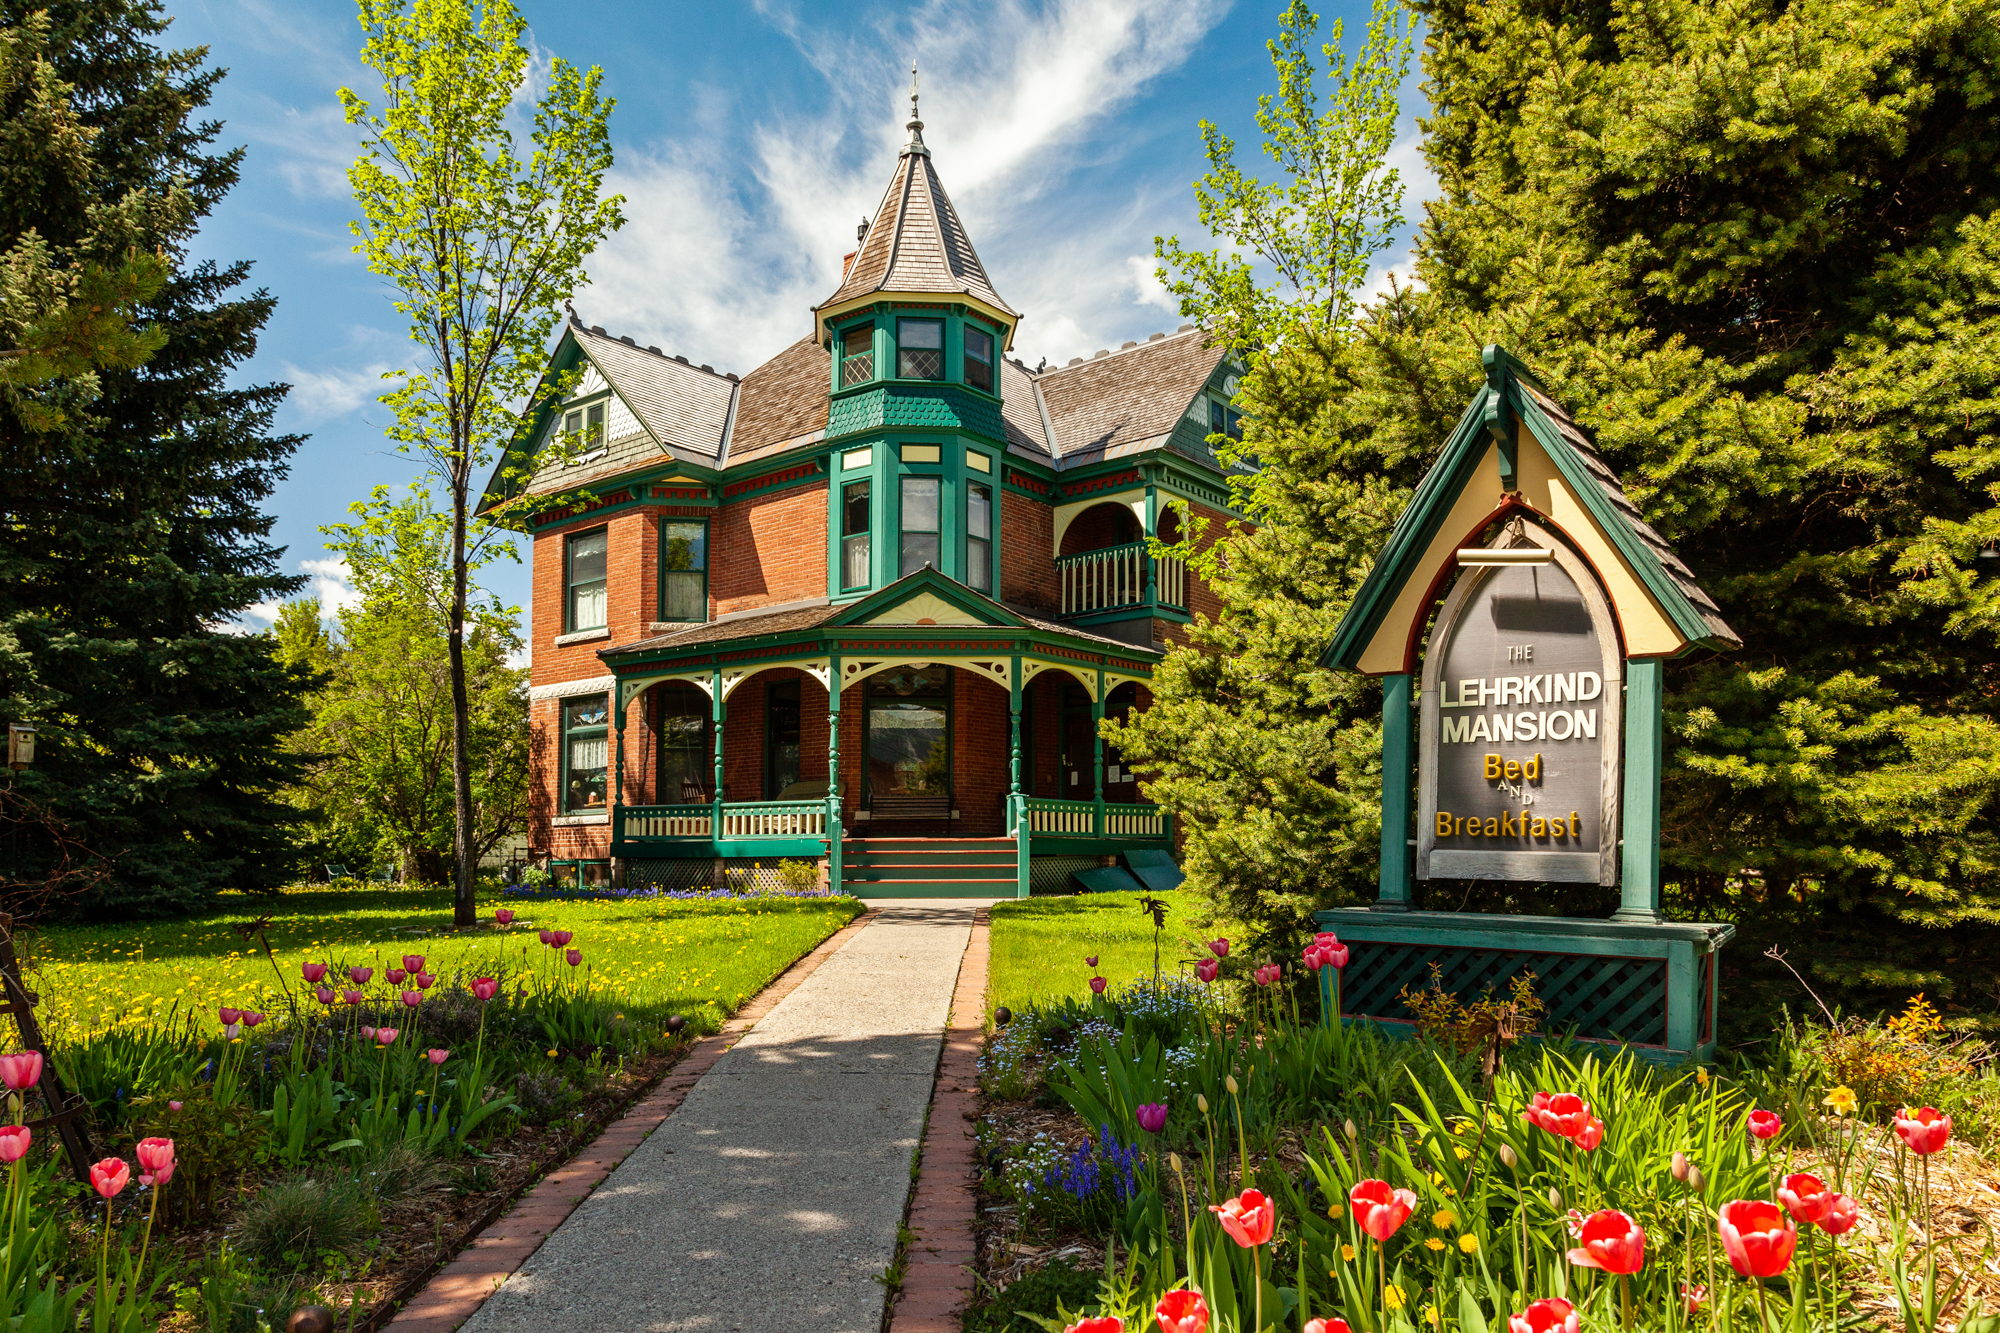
<point x="1347" y="1254"/>
<point x="1469" y="1243"/>
<point x="1444" y="1219"/>
<point x="1430" y="1314"/>
<point x="1392" y="1296"/>
<point x="1434" y="1244"/>
<point x="1842" y="1100"/>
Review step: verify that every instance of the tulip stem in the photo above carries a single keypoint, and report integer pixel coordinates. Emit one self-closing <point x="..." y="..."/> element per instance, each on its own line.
<point x="1763" y="1312"/>
<point x="1625" y="1298"/>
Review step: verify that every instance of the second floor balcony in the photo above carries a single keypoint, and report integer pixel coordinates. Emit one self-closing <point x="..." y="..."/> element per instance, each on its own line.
<point x="1120" y="578"/>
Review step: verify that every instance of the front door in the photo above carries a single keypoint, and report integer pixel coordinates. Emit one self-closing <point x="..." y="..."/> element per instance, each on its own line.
<point x="907" y="733"/>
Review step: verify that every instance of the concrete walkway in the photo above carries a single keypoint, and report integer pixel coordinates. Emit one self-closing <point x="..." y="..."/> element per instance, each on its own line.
<point x="770" y="1200"/>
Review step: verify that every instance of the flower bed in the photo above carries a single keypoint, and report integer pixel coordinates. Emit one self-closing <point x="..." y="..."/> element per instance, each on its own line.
<point x="1200" y="1155"/>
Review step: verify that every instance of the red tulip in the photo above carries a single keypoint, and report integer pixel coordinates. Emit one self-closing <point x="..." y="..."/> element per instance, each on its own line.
<point x="437" y="1056"/>
<point x="394" y="976"/>
<point x="324" y="994"/>
<point x="230" y="1017"/>
<point x="424" y="980"/>
<point x="1101" y="1324"/>
<point x="1765" y="1124"/>
<point x="314" y="973"/>
<point x="485" y="987"/>
<point x="110" y="1176"/>
<point x="1182" y="1311"/>
<point x="353" y="996"/>
<point x="1207" y="968"/>
<point x="413" y="998"/>
<point x="359" y="975"/>
<point x="504" y="915"/>
<point x="155" y="1153"/>
<point x="251" y="1018"/>
<point x="1554" y="1315"/>
<point x="1562" y="1114"/>
<point x="1097" y="984"/>
<point x="1380" y="1210"/>
<point x="1249" y="1218"/>
<point x="21" y="1071"/>
<point x="1090" y="960"/>
<point x="413" y="962"/>
<point x="384" y="1036"/>
<point x="1806" y="1197"/>
<point x="1219" y="947"/>
<point x="14" y="1141"/>
<point x="548" y="937"/>
<point x="1925" y="1131"/>
<point x="1590" y="1135"/>
<point x="1326" y="1326"/>
<point x="574" y="956"/>
<point x="1757" y="1237"/>
<point x="1840" y="1217"/>
<point x="1612" y="1241"/>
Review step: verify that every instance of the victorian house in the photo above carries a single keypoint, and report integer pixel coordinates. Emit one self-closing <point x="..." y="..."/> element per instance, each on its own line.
<point x="867" y="604"/>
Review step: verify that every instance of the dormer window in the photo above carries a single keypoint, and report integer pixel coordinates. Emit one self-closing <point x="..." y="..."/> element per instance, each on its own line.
<point x="857" y="356"/>
<point x="978" y="359"/>
<point x="1224" y="419"/>
<point x="584" y="426"/>
<point x="920" y="349"/>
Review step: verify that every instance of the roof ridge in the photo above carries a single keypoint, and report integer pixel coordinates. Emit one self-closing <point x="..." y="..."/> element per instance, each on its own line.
<point x="626" y="340"/>
<point x="1130" y="345"/>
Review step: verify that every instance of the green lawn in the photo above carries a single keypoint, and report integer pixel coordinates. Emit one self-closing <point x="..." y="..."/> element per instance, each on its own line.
<point x="1038" y="945"/>
<point x="702" y="959"/>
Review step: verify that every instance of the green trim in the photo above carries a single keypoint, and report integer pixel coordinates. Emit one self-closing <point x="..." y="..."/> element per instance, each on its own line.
<point x="1399" y="762"/>
<point x="1645" y="743"/>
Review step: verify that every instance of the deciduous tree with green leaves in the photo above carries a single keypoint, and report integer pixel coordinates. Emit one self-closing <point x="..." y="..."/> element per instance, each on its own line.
<point x="481" y="247"/>
<point x="1755" y="248"/>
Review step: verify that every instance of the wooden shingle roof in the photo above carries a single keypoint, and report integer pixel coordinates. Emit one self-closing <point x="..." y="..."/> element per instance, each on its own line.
<point x="1127" y="400"/>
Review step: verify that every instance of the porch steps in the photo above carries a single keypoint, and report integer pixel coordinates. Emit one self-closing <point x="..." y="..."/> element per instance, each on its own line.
<point x="928" y="867"/>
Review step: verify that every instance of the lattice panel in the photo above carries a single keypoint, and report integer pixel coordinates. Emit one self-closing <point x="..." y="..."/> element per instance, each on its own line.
<point x="1706" y="1000"/>
<point x="1596" y="997"/>
<point x="670" y="874"/>
<point x="1050" y="874"/>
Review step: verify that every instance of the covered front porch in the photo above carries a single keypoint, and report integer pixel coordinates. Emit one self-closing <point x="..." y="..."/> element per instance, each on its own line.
<point x="923" y="737"/>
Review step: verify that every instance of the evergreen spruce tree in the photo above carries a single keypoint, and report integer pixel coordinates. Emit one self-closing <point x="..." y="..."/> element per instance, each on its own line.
<point x="1753" y="246"/>
<point x="133" y="529"/>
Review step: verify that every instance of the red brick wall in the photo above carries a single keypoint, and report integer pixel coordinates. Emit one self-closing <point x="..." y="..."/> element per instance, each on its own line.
<point x="1027" y="565"/>
<point x="981" y="740"/>
<point x="769" y="550"/>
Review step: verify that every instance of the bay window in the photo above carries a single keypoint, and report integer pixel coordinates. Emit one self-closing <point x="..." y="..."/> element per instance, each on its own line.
<point x="979" y="537"/>
<point x="920" y="523"/>
<point x="854" y="547"/>
<point x="857" y="356"/>
<point x="978" y="359"/>
<point x="920" y="349"/>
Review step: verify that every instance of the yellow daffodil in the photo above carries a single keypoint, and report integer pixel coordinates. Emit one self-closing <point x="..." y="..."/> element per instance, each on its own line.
<point x="1444" y="1219"/>
<point x="1843" y="1101"/>
<point x="1392" y="1296"/>
<point x="1469" y="1243"/>
<point x="1463" y="1153"/>
<point x="1437" y="1177"/>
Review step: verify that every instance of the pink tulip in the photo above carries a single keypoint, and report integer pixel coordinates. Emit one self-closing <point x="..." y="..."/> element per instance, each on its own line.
<point x="1219" y="947"/>
<point x="160" y="1177"/>
<point x="504" y="915"/>
<point x="1611" y="1241"/>
<point x="1207" y="968"/>
<point x="413" y="962"/>
<point x="1249" y="1218"/>
<point x="1379" y="1210"/>
<point x="424" y="980"/>
<point x="1840" y="1216"/>
<point x="548" y="937"/>
<point x="229" y="1017"/>
<point x="359" y="975"/>
<point x="1554" y="1315"/>
<point x="1806" y="1198"/>
<point x="314" y="973"/>
<point x="110" y="1176"/>
<point x="1925" y="1131"/>
<point x="413" y="998"/>
<point x="1152" y="1116"/>
<point x="251" y="1018"/>
<point x="1097" y="984"/>
<point x="230" y="1030"/>
<point x="436" y="1055"/>
<point x="574" y="956"/>
<point x="368" y="1034"/>
<point x="385" y="1036"/>
<point x="14" y="1141"/>
<point x="354" y="996"/>
<point x="21" y="1071"/>
<point x="1693" y="1298"/>
<point x="173" y="1106"/>
<point x="1268" y="974"/>
<point x="485" y="987"/>
<point x="1757" y="1237"/>
<point x="155" y="1153"/>
<point x="324" y="994"/>
<point x="1764" y="1125"/>
<point x="394" y="976"/>
<point x="561" y="938"/>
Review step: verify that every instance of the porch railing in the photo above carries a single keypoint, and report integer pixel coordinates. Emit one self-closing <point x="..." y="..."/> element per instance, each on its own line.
<point x="1086" y="819"/>
<point x="741" y="821"/>
<point x="1115" y="578"/>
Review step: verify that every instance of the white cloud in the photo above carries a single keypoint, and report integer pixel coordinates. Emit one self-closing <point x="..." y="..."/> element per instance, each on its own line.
<point x="332" y="584"/>
<point x="321" y="395"/>
<point x="1146" y="284"/>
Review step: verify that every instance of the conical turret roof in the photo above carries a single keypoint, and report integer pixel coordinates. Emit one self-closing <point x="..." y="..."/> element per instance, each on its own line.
<point x="916" y="243"/>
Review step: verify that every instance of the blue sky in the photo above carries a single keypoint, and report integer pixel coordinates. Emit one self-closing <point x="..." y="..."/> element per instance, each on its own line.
<point x="750" y="140"/>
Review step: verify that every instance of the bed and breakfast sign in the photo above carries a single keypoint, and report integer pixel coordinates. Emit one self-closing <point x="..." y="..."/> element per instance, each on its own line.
<point x="1518" y="754"/>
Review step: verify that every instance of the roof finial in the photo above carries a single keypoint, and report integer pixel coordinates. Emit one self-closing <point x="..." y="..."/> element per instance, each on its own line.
<point x="916" y="123"/>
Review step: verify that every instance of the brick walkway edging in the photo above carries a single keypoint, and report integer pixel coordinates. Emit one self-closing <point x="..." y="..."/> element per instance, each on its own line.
<point x="937" y="1264"/>
<point x="497" y="1253"/>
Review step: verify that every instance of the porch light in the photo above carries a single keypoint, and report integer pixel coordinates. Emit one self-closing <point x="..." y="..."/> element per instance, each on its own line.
<point x="1488" y="556"/>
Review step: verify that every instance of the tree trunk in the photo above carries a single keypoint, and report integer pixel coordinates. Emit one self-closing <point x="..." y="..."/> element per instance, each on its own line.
<point x="464" y="912"/>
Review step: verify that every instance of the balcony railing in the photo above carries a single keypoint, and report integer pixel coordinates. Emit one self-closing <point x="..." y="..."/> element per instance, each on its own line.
<point x="743" y="821"/>
<point x="1114" y="579"/>
<point x="1086" y="819"/>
